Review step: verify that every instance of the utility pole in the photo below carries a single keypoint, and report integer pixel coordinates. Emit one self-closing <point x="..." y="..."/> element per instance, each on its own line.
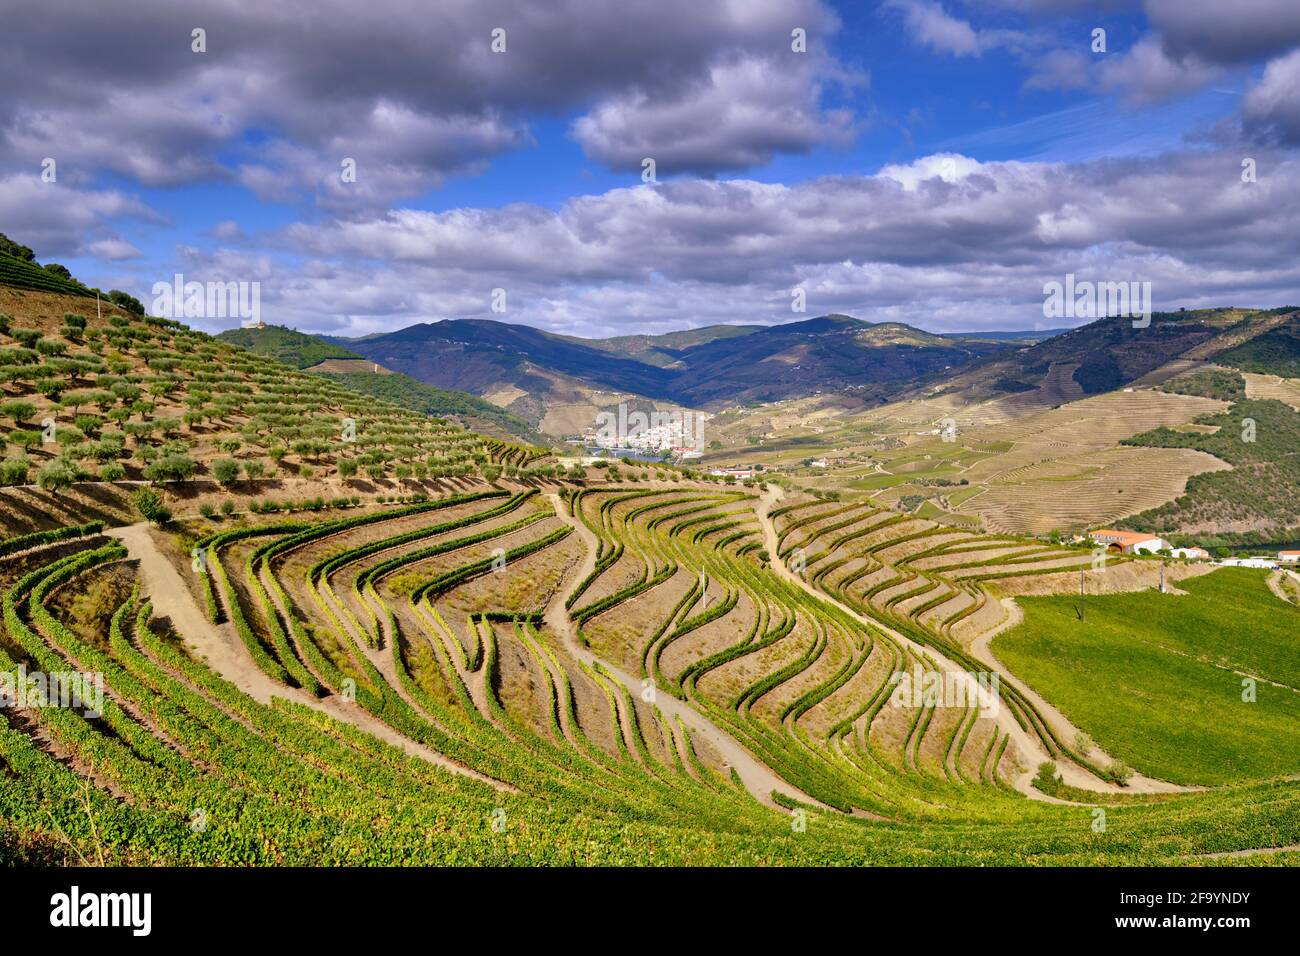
<point x="1083" y="599"/>
<point x="1162" y="577"/>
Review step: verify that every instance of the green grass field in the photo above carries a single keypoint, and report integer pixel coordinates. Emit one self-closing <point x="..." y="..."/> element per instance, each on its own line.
<point x="1157" y="679"/>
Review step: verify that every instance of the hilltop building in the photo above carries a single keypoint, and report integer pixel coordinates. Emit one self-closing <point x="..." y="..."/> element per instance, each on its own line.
<point x="737" y="471"/>
<point x="1129" y="542"/>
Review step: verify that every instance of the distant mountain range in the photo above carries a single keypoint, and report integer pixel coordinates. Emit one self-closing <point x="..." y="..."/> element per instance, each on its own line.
<point x="559" y="382"/>
<point x="537" y="381"/>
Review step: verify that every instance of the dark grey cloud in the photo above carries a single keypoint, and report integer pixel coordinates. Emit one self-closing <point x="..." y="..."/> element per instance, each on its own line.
<point x="411" y="90"/>
<point x="1233" y="33"/>
<point x="1271" y="109"/>
<point x="748" y="110"/>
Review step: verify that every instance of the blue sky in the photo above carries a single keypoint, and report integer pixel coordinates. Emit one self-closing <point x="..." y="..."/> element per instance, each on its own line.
<point x="924" y="161"/>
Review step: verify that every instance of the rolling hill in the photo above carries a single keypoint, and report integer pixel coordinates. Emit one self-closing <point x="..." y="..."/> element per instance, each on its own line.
<point x="318" y="355"/>
<point x="558" y="383"/>
<point x="90" y="404"/>
<point x="532" y="372"/>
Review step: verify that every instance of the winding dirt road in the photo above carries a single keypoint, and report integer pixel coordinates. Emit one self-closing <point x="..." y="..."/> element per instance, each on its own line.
<point x="758" y="778"/>
<point x="1031" y="749"/>
<point x="225" y="653"/>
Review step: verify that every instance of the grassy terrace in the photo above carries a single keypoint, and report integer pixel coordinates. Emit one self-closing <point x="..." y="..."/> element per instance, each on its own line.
<point x="1167" y="695"/>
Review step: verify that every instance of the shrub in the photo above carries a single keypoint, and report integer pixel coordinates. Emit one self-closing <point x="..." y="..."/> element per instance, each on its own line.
<point x="17" y="410"/>
<point x="57" y="475"/>
<point x="13" y="471"/>
<point x="225" y="470"/>
<point x="254" y="469"/>
<point x="1047" y="780"/>
<point x="149" y="504"/>
<point x="113" y="471"/>
<point x="207" y="510"/>
<point x="227" y="507"/>
<point x="128" y="302"/>
<point x="174" y="467"/>
<point x="25" y="439"/>
<point x="1118" y="773"/>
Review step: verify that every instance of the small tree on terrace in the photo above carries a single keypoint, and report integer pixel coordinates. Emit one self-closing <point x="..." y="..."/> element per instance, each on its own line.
<point x="25" y="439"/>
<point x="13" y="471"/>
<point x="225" y="470"/>
<point x="150" y="505"/>
<point x="17" y="411"/>
<point x="57" y="475"/>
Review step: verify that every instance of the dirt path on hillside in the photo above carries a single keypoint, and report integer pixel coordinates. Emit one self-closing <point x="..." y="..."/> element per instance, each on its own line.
<point x="1275" y="580"/>
<point x="224" y="652"/>
<point x="1031" y="749"/>
<point x="758" y="778"/>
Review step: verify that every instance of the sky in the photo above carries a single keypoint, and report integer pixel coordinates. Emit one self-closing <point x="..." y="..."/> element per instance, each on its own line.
<point x="935" y="162"/>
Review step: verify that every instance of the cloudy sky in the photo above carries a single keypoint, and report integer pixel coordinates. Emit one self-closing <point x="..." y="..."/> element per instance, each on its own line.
<point x="930" y="161"/>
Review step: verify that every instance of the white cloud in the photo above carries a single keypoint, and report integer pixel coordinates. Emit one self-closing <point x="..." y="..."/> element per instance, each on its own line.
<point x="947" y="167"/>
<point x="114" y="250"/>
<point x="931" y="26"/>
<point x="58" y="220"/>
<point x="969" y="249"/>
<point x="1147" y="73"/>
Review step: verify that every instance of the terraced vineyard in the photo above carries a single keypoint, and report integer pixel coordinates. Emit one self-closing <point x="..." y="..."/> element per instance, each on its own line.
<point x="557" y="673"/>
<point x="92" y="404"/>
<point x="399" y="641"/>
